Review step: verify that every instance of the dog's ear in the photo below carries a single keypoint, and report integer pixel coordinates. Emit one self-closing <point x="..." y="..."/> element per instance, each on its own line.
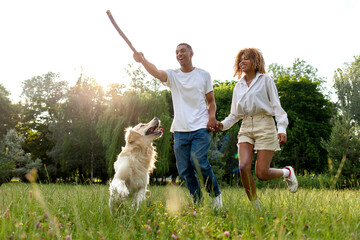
<point x="132" y="135"/>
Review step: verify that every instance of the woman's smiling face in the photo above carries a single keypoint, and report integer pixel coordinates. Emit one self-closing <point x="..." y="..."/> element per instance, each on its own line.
<point x="245" y="63"/>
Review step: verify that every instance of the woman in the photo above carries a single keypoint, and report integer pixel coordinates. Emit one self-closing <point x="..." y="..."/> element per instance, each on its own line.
<point x="255" y="100"/>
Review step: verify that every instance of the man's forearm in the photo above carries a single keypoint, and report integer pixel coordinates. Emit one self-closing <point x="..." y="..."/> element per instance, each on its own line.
<point x="211" y="109"/>
<point x="152" y="69"/>
<point x="211" y="105"/>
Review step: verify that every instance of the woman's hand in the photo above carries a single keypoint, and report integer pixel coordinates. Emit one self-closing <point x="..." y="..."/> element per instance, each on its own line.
<point x="282" y="138"/>
<point x="218" y="126"/>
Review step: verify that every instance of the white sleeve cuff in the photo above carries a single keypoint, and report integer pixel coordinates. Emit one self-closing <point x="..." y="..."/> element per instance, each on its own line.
<point x="281" y="129"/>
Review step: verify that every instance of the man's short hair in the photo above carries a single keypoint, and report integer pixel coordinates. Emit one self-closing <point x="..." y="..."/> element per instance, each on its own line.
<point x="185" y="44"/>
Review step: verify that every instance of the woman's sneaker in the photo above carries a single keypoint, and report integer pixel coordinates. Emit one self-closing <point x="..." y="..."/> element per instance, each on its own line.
<point x="291" y="180"/>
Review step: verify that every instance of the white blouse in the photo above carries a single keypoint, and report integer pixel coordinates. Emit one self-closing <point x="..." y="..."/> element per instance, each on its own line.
<point x="261" y="97"/>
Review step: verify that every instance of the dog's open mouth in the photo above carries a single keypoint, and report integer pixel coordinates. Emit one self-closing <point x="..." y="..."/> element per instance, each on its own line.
<point x="154" y="130"/>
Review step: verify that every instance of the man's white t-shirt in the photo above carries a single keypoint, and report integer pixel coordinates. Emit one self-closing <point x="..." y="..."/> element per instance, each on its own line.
<point x="188" y="95"/>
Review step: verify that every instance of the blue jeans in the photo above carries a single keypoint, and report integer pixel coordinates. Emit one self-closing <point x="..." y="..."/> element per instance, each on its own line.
<point x="191" y="150"/>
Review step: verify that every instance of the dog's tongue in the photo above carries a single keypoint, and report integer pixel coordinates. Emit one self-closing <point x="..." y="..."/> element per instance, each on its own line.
<point x="161" y="129"/>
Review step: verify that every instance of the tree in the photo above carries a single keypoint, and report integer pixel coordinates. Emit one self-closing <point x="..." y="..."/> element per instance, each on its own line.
<point x="127" y="109"/>
<point x="137" y="78"/>
<point x="12" y="146"/>
<point x="6" y="112"/>
<point x="6" y="166"/>
<point x="347" y="86"/>
<point x="299" y="69"/>
<point x="309" y="113"/>
<point x="223" y="92"/>
<point x="81" y="152"/>
<point x="114" y="90"/>
<point x="344" y="141"/>
<point x="42" y="96"/>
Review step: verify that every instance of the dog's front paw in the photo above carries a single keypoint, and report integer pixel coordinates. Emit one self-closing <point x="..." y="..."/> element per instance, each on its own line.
<point x="124" y="192"/>
<point x="118" y="188"/>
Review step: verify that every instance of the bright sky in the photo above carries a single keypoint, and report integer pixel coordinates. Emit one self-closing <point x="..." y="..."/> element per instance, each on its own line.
<point x="74" y="36"/>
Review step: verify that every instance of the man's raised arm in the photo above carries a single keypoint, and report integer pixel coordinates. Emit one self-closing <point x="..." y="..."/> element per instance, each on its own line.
<point x="150" y="68"/>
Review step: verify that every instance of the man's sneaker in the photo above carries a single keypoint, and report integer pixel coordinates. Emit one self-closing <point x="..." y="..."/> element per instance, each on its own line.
<point x="216" y="202"/>
<point x="291" y="180"/>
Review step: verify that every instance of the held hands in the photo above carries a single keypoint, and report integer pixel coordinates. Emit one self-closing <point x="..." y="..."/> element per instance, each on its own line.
<point x="215" y="127"/>
<point x="211" y="125"/>
<point x="282" y="138"/>
<point x="219" y="126"/>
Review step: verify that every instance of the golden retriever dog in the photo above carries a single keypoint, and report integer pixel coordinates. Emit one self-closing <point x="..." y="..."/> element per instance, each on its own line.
<point x="135" y="163"/>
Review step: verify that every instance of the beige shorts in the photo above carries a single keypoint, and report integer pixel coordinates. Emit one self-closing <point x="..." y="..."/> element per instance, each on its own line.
<point x="259" y="130"/>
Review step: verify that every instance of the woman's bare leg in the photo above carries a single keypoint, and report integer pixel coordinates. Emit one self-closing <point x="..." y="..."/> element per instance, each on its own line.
<point x="262" y="167"/>
<point x="246" y="154"/>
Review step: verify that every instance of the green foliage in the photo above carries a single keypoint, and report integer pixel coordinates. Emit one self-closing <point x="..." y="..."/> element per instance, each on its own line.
<point x="6" y="166"/>
<point x="166" y="162"/>
<point x="223" y="149"/>
<point x="344" y="141"/>
<point x="112" y="124"/>
<point x="7" y="111"/>
<point x="81" y="151"/>
<point x="80" y="131"/>
<point x="41" y="95"/>
<point x="110" y="129"/>
<point x="302" y="149"/>
<point x="299" y="70"/>
<point x="347" y="86"/>
<point x="5" y="106"/>
<point x="59" y="211"/>
<point x="137" y="78"/>
<point x="309" y="113"/>
<point x="223" y="92"/>
<point x="159" y="104"/>
<point x="14" y="155"/>
<point x="127" y="110"/>
<point x="313" y="181"/>
<point x="41" y="99"/>
<point x="216" y="157"/>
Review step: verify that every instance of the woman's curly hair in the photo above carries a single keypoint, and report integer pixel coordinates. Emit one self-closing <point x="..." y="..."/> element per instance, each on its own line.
<point x="256" y="58"/>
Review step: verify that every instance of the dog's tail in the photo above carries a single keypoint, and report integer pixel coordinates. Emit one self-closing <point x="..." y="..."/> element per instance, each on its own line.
<point x="118" y="190"/>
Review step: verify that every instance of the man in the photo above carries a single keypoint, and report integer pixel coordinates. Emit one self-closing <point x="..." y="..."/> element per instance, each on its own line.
<point x="193" y="118"/>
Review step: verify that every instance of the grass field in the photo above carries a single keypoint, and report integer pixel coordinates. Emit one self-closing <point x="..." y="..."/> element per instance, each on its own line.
<point x="60" y="211"/>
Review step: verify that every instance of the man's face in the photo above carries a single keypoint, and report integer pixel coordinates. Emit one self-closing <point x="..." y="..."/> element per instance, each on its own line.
<point x="183" y="55"/>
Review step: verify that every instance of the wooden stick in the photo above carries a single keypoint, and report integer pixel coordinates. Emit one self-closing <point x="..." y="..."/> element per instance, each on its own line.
<point x="119" y="31"/>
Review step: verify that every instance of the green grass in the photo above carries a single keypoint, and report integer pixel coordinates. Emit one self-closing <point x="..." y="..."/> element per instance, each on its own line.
<point x="59" y="211"/>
